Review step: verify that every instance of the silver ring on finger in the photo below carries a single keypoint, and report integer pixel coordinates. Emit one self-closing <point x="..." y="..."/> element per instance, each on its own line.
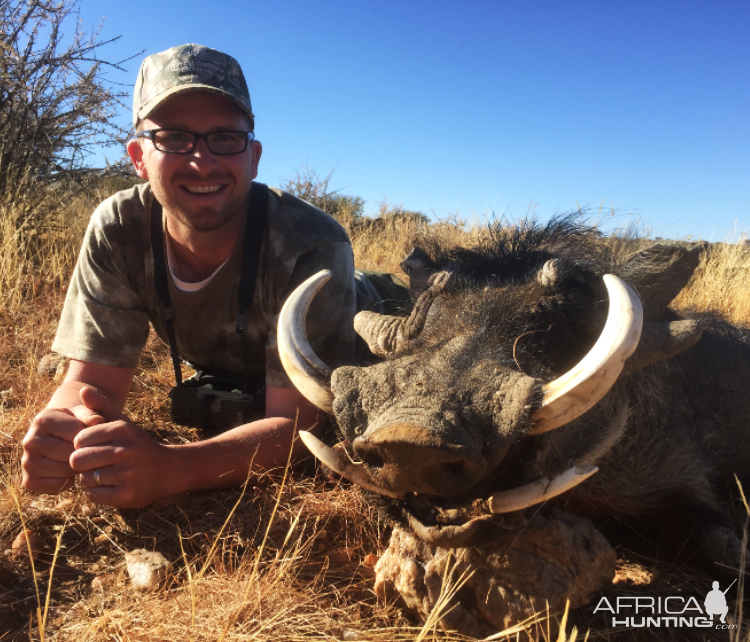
<point x="97" y="477"/>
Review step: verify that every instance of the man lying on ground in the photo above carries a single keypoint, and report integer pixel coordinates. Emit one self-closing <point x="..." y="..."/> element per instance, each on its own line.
<point x="207" y="257"/>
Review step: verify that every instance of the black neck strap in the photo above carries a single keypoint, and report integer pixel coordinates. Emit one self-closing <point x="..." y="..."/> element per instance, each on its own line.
<point x="254" y="228"/>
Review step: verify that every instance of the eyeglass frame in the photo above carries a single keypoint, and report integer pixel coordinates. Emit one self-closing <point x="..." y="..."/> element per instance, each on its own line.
<point x="149" y="135"/>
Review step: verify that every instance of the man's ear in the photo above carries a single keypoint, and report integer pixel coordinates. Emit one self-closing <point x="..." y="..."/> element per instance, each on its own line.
<point x="257" y="150"/>
<point x="135" y="151"/>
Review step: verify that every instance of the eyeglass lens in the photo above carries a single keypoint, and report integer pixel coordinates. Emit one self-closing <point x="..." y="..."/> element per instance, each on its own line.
<point x="178" y="142"/>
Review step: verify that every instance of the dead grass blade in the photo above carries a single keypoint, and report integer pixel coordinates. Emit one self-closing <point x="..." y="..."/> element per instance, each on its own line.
<point x="742" y="494"/>
<point x="214" y="546"/>
<point x="41" y="619"/>
<point x="562" y="636"/>
<point x="448" y="591"/>
<point x="191" y="585"/>
<point x="58" y="544"/>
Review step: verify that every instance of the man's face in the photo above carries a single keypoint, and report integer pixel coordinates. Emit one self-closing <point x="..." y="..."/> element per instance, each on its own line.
<point x="200" y="190"/>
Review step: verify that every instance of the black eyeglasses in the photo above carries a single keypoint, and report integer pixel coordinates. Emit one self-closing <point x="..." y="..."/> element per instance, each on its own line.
<point x="175" y="141"/>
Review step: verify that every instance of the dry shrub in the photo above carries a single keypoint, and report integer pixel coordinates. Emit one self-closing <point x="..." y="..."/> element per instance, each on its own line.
<point x="56" y="112"/>
<point x="57" y="103"/>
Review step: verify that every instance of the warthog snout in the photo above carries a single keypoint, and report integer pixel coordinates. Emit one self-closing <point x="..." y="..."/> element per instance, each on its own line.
<point x="406" y="458"/>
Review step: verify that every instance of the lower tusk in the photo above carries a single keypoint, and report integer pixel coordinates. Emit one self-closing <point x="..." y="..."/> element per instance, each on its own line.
<point x="355" y="473"/>
<point x="541" y="490"/>
<point x="449" y="536"/>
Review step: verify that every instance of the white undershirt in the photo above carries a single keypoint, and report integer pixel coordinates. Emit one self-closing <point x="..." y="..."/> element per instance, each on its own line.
<point x="184" y="285"/>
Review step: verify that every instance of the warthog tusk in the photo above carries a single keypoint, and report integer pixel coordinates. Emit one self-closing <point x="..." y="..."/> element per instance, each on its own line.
<point x="507" y="501"/>
<point x="355" y="473"/>
<point x="569" y="396"/>
<point x="308" y="373"/>
<point x="501" y="502"/>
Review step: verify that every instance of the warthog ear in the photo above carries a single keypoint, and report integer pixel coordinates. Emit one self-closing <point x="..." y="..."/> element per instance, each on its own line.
<point x="659" y="273"/>
<point x="660" y="341"/>
<point x="556" y="273"/>
<point x="419" y="266"/>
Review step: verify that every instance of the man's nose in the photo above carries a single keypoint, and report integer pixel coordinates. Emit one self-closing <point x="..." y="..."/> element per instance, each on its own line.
<point x="201" y="156"/>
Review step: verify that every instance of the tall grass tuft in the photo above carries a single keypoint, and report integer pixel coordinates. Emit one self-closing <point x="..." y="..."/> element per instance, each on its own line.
<point x="720" y="284"/>
<point x="37" y="255"/>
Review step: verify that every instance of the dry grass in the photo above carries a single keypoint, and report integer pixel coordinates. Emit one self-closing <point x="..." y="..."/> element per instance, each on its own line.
<point x="720" y="284"/>
<point x="290" y="560"/>
<point x="382" y="243"/>
<point x="37" y="260"/>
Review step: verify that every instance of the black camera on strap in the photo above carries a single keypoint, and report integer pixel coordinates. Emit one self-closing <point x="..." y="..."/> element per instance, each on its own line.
<point x="216" y="400"/>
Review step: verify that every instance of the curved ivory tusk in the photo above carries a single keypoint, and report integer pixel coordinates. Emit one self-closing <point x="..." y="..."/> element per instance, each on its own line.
<point x="308" y="373"/>
<point x="541" y="490"/>
<point x="575" y="392"/>
<point x="355" y="473"/>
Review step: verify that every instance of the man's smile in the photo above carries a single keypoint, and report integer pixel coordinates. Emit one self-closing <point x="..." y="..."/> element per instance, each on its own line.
<point x="202" y="189"/>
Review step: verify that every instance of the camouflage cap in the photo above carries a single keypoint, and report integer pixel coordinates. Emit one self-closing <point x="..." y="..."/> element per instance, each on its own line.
<point x="189" y="67"/>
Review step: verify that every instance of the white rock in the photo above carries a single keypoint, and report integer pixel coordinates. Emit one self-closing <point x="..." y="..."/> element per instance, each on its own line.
<point x="146" y="568"/>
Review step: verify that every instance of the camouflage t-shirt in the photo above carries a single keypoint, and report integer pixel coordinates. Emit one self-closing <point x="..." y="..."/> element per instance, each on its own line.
<point x="112" y="297"/>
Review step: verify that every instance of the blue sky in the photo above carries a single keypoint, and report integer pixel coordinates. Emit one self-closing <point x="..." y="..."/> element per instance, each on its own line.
<point x="467" y="108"/>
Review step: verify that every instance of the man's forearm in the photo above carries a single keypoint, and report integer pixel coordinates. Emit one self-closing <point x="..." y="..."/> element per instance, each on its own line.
<point x="112" y="381"/>
<point x="227" y="459"/>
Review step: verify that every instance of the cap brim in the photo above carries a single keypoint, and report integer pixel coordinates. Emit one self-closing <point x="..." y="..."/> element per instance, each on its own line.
<point x="149" y="107"/>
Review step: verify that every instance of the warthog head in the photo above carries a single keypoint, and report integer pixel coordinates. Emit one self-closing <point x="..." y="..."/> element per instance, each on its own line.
<point x="495" y="351"/>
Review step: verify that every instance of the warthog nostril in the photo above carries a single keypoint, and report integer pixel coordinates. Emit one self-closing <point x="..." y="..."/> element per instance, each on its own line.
<point x="372" y="459"/>
<point x="455" y="469"/>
